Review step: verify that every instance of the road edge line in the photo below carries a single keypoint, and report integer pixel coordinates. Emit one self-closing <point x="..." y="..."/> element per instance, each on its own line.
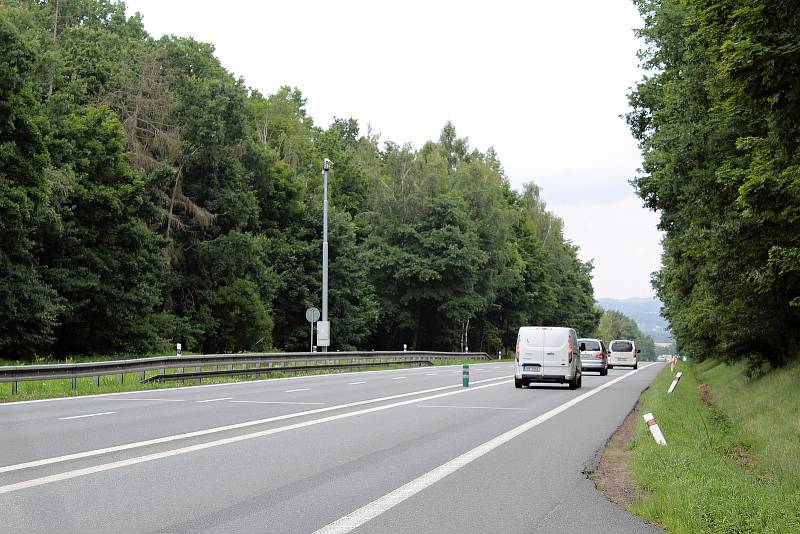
<point x="355" y="519"/>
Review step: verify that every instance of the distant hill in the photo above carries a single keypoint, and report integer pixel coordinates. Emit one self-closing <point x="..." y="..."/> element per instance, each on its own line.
<point x="646" y="313"/>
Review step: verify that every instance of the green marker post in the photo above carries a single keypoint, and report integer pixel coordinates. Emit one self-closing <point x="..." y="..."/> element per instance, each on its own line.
<point x="465" y="375"/>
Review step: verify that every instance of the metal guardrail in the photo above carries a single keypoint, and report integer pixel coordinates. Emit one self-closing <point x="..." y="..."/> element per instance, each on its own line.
<point x="291" y="361"/>
<point x="258" y="371"/>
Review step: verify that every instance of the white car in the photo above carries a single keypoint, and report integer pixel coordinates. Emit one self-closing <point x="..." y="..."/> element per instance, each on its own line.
<point x="547" y="354"/>
<point x="623" y="352"/>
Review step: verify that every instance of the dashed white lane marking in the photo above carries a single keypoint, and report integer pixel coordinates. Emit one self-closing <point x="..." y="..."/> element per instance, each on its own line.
<point x="86" y="415"/>
<point x="246" y="424"/>
<point x="355" y="383"/>
<point x="226" y="441"/>
<point x="214" y="400"/>
<point x="380" y="505"/>
<point x="299" y="389"/>
<point x="471" y="407"/>
<point x="154" y="399"/>
<point x="430" y="374"/>
<point x="399" y="377"/>
<point x="275" y="402"/>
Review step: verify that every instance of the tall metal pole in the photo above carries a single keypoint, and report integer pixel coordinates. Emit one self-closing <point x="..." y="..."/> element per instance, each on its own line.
<point x="326" y="165"/>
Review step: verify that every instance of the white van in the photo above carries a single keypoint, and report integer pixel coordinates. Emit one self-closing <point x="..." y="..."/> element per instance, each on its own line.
<point x="547" y="354"/>
<point x="623" y="352"/>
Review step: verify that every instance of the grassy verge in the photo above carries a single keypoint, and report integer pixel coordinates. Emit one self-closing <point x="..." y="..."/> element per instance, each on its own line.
<point x="48" y="389"/>
<point x="732" y="463"/>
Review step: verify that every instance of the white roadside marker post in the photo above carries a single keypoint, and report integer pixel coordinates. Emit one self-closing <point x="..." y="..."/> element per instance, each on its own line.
<point x="677" y="379"/>
<point x="654" y="430"/>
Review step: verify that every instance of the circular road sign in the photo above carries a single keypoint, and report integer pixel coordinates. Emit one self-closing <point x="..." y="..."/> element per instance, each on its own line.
<point x="312" y="315"/>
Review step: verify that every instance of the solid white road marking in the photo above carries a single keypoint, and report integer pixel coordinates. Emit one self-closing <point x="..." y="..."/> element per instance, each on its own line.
<point x="471" y="407"/>
<point x="372" y="510"/>
<point x="214" y="400"/>
<point x="274" y="402"/>
<point x="226" y="441"/>
<point x="354" y="383"/>
<point x="155" y="441"/>
<point x="300" y="389"/>
<point x="87" y="415"/>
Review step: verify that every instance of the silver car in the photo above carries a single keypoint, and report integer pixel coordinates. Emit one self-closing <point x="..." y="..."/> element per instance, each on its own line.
<point x="594" y="356"/>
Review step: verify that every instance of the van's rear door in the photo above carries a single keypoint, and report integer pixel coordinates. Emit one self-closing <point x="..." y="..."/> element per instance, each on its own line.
<point x="531" y="349"/>
<point x="556" y="351"/>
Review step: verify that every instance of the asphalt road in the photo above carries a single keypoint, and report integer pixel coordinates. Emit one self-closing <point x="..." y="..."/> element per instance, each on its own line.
<point x="383" y="451"/>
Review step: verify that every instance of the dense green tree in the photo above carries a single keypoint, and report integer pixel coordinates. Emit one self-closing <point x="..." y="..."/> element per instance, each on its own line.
<point x="239" y="320"/>
<point x="147" y="196"/>
<point x="717" y="119"/>
<point x="101" y="257"/>
<point x="28" y="306"/>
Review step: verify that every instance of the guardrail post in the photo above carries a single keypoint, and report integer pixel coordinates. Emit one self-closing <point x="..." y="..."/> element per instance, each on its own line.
<point x="74" y="383"/>
<point x="97" y="380"/>
<point x="121" y="378"/>
<point x="14" y="387"/>
<point x="142" y="376"/>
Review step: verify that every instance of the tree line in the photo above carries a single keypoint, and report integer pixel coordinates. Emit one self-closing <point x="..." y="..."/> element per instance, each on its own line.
<point x="148" y="197"/>
<point x="616" y="325"/>
<point x="718" y="121"/>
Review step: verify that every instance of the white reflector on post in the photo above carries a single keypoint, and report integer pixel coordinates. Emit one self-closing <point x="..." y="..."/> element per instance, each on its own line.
<point x="654" y="430"/>
<point x="675" y="382"/>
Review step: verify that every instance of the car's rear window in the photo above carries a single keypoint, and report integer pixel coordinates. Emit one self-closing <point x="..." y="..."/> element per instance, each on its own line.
<point x="590" y="345"/>
<point x="622" y="346"/>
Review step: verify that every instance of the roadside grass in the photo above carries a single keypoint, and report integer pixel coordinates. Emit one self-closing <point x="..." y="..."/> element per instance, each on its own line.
<point x="48" y="389"/>
<point x="732" y="463"/>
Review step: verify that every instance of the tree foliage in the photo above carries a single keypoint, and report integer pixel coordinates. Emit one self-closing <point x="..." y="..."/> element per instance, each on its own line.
<point x="149" y="197"/>
<point x="718" y="120"/>
<point x="616" y="325"/>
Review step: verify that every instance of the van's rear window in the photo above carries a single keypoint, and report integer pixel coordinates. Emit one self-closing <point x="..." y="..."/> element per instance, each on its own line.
<point x="591" y="345"/>
<point x="622" y="346"/>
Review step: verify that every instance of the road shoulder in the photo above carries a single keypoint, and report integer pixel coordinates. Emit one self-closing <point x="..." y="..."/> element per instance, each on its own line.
<point x="613" y="475"/>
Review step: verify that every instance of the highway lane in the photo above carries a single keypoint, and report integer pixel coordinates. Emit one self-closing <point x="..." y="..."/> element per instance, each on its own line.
<point x="301" y="479"/>
<point x="26" y="428"/>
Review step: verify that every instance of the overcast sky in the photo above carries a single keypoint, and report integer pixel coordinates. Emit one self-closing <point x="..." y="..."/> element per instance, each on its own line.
<point x="542" y="82"/>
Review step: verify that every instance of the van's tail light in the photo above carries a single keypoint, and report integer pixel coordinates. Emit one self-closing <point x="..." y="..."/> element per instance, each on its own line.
<point x="569" y="354"/>
<point x="516" y="352"/>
